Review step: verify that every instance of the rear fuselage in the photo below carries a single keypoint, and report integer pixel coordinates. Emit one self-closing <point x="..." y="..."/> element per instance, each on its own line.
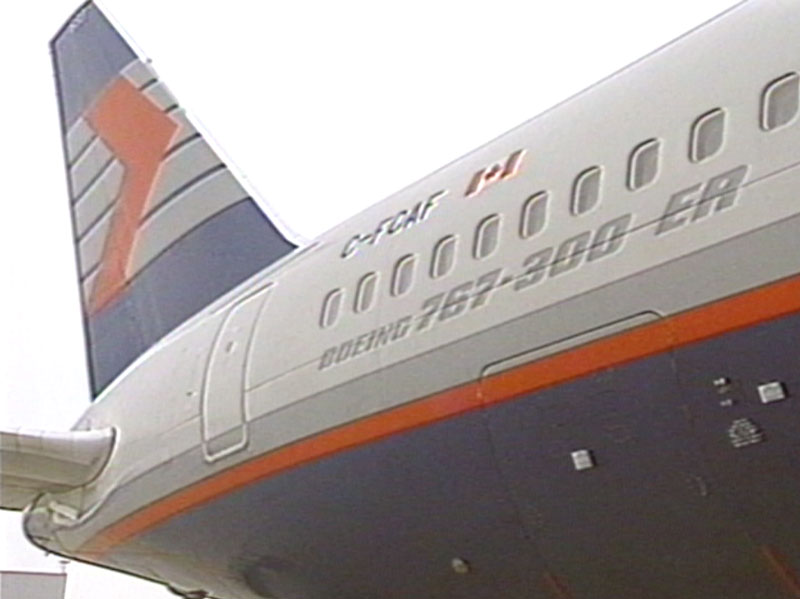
<point x="561" y="366"/>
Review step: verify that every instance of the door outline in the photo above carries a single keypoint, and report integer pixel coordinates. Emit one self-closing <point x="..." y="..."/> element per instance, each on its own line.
<point x="223" y="411"/>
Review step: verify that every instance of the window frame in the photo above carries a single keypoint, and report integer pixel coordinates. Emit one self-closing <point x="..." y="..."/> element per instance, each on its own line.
<point x="359" y="305"/>
<point x="769" y="90"/>
<point x="528" y="206"/>
<point x="407" y="261"/>
<point x="480" y="235"/>
<point x="636" y="154"/>
<point x="694" y="134"/>
<point x="326" y="321"/>
<point x="577" y="186"/>
<point x="437" y="252"/>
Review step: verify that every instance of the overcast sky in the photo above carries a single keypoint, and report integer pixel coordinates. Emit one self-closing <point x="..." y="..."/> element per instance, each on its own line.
<point x="327" y="107"/>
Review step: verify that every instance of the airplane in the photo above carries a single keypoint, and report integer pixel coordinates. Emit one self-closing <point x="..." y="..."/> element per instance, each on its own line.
<point x="563" y="366"/>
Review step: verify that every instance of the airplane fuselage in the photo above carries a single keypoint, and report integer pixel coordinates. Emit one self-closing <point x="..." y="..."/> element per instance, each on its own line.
<point x="562" y="366"/>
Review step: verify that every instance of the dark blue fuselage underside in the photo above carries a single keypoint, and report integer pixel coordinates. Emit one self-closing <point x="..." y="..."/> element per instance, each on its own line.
<point x="672" y="508"/>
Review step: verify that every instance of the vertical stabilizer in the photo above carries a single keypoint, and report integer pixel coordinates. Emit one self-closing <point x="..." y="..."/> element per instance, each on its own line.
<point x="161" y="226"/>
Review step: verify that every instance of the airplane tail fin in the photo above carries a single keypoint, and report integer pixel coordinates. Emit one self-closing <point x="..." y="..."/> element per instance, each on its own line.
<point x="161" y="226"/>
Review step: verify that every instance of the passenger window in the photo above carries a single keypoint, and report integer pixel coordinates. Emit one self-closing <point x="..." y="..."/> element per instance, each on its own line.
<point x="708" y="133"/>
<point x="330" y="308"/>
<point x="779" y="104"/>
<point x="643" y="164"/>
<point x="444" y="256"/>
<point x="365" y="294"/>
<point x="586" y="190"/>
<point x="487" y="236"/>
<point x="534" y="215"/>
<point x="403" y="274"/>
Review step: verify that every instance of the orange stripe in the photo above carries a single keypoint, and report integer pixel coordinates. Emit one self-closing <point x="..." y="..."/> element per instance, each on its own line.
<point x="557" y="587"/>
<point x="782" y="570"/>
<point x="728" y="315"/>
<point x="444" y="405"/>
<point x="696" y="325"/>
<point x="138" y="133"/>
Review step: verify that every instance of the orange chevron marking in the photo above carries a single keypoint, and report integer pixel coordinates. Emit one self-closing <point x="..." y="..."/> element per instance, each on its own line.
<point x="138" y="133"/>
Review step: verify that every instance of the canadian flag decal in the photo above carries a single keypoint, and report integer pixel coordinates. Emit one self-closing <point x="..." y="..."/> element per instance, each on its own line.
<point x="497" y="171"/>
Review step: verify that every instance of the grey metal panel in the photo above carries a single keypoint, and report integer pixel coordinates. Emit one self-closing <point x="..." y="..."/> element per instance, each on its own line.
<point x="187" y="129"/>
<point x="139" y="73"/>
<point x="181" y="168"/>
<point x="88" y="167"/>
<point x="77" y="139"/>
<point x="88" y="53"/>
<point x="183" y="213"/>
<point x="100" y="196"/>
<point x="90" y="247"/>
<point x="196" y="269"/>
<point x="87" y="285"/>
<point x="160" y="94"/>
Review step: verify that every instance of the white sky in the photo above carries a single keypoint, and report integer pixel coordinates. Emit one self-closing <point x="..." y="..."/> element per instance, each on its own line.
<point x="327" y="107"/>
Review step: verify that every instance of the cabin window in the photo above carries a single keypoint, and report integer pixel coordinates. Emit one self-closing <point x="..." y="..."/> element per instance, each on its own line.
<point x="403" y="274"/>
<point x="780" y="102"/>
<point x="487" y="236"/>
<point x="708" y="133"/>
<point x="365" y="293"/>
<point x="643" y="164"/>
<point x="444" y="256"/>
<point x="534" y="215"/>
<point x="330" y="308"/>
<point x="586" y="190"/>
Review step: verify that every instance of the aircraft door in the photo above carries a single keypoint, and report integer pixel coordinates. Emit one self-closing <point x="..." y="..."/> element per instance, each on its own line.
<point x="224" y="418"/>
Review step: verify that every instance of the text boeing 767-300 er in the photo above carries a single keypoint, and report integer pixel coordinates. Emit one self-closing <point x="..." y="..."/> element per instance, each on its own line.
<point x="564" y="366"/>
